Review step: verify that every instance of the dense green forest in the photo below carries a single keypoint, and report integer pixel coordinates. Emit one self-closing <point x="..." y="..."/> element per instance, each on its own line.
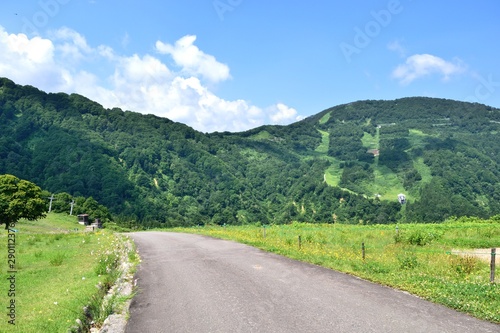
<point x="346" y="164"/>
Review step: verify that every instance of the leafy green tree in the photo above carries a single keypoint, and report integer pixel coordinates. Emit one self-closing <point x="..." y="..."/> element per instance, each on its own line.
<point x="62" y="202"/>
<point x="20" y="199"/>
<point x="95" y="210"/>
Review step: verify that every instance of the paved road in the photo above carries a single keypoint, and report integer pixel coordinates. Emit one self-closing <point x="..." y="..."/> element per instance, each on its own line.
<point x="190" y="283"/>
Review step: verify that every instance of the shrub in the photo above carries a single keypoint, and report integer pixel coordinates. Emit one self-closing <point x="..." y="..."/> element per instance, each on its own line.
<point x="421" y="238"/>
<point x="398" y="237"/>
<point x="465" y="265"/>
<point x="408" y="261"/>
<point x="417" y="237"/>
<point x="57" y="260"/>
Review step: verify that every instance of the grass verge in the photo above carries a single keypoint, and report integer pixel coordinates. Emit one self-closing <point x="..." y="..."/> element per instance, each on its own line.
<point x="61" y="275"/>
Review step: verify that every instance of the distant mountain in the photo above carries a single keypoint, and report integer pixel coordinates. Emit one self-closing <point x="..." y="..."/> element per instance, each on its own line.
<point x="346" y="164"/>
<point x="443" y="154"/>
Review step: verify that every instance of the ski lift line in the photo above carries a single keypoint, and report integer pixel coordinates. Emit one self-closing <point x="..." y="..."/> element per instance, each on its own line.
<point x="72" y="203"/>
<point x="55" y="199"/>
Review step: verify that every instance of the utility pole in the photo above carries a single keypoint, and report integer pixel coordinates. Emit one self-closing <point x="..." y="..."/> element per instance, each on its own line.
<point x="72" y="205"/>
<point x="50" y="204"/>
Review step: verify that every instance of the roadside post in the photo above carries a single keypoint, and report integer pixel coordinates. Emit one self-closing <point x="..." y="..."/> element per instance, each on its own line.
<point x="492" y="265"/>
<point x="363" y="251"/>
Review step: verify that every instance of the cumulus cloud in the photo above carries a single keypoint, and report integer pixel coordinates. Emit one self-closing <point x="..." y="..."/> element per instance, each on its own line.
<point x="72" y="45"/>
<point x="33" y="51"/>
<point x="281" y="114"/>
<point x="193" y="60"/>
<point x="27" y="60"/>
<point x="142" y="83"/>
<point x="420" y="65"/>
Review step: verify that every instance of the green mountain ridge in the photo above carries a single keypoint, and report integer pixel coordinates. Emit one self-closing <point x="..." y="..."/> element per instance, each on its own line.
<point x="345" y="164"/>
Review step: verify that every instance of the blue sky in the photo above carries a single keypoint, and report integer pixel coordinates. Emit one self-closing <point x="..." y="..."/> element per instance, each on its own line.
<point x="231" y="65"/>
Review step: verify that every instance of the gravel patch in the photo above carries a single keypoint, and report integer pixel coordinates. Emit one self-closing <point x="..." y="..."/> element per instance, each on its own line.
<point x="483" y="254"/>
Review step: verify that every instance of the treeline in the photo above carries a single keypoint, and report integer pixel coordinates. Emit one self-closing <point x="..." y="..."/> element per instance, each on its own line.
<point x="156" y="172"/>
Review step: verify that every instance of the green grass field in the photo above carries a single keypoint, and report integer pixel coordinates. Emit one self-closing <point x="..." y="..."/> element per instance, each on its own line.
<point x="325" y="141"/>
<point x="369" y="141"/>
<point x="417" y="138"/>
<point x="386" y="184"/>
<point x="334" y="172"/>
<point x="423" y="170"/>
<point x="57" y="269"/>
<point x="325" y="118"/>
<point x="433" y="261"/>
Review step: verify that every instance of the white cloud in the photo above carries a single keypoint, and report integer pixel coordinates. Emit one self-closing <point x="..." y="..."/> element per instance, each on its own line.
<point x="125" y="40"/>
<point x="397" y="47"/>
<point x="106" y="52"/>
<point x="141" y="83"/>
<point x="71" y="44"/>
<point x="281" y="114"/>
<point x="193" y="60"/>
<point x="28" y="61"/>
<point x="145" y="70"/>
<point x="33" y="51"/>
<point x="420" y="65"/>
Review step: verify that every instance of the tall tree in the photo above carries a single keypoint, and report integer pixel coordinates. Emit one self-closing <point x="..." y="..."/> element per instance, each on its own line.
<point x="20" y="199"/>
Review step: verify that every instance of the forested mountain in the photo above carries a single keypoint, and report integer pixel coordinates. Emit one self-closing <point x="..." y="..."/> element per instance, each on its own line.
<point x="346" y="164"/>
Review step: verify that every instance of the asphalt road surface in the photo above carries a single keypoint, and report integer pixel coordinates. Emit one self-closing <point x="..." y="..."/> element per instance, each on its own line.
<point x="190" y="283"/>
